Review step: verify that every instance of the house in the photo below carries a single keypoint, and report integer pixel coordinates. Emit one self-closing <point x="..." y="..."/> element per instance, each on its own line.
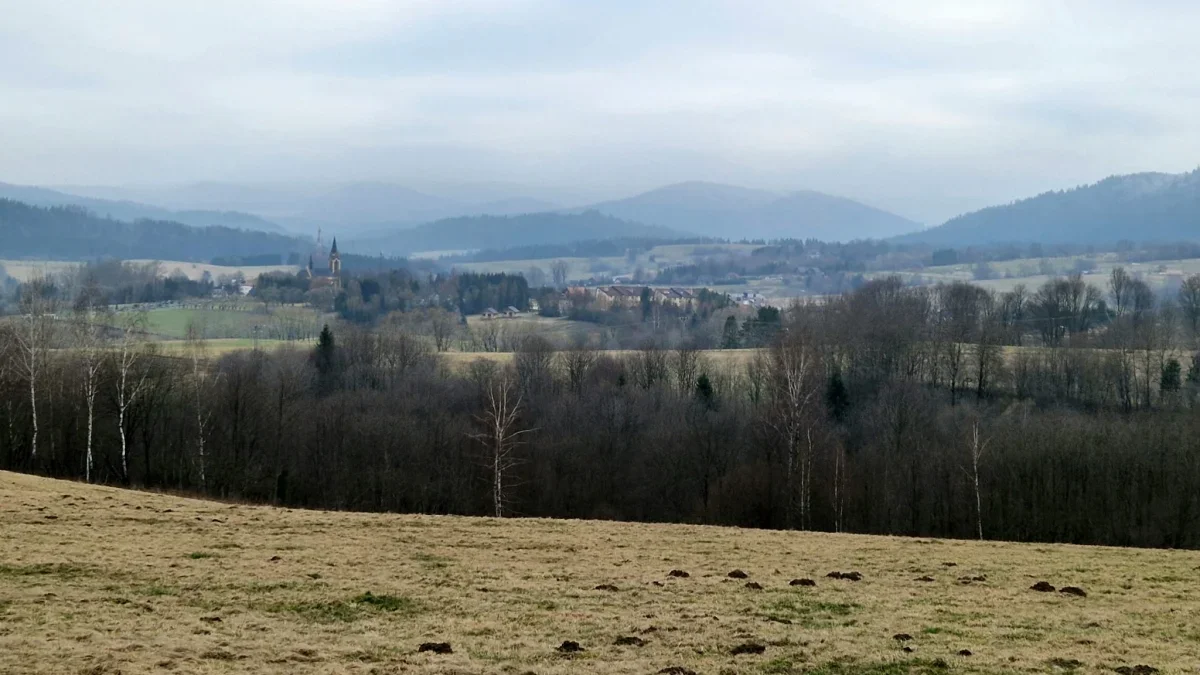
<point x="489" y="313"/>
<point x="679" y="297"/>
<point x="619" y="296"/>
<point x="245" y="289"/>
<point x="511" y="312"/>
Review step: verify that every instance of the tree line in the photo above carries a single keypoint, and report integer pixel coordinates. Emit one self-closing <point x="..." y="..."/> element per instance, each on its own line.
<point x="948" y="411"/>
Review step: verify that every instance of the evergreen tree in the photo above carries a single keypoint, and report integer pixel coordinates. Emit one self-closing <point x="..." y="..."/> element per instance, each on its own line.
<point x="730" y="338"/>
<point x="1169" y="380"/>
<point x="325" y="352"/>
<point x="704" y="391"/>
<point x="837" y="397"/>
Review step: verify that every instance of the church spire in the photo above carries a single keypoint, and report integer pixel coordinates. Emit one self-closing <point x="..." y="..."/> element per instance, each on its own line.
<point x="333" y="249"/>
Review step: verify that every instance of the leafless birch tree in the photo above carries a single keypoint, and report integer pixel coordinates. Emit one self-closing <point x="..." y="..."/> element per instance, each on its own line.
<point x="37" y="319"/>
<point x="89" y="332"/>
<point x="795" y="396"/>
<point x="130" y="379"/>
<point x="198" y="353"/>
<point x="501" y="436"/>
<point x="976" y="447"/>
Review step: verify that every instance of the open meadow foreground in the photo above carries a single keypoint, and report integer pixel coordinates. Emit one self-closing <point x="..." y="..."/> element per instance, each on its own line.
<point x="101" y="580"/>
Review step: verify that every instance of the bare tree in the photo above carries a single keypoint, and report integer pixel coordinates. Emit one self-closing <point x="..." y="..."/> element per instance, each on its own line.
<point x="578" y="363"/>
<point x="442" y="324"/>
<point x="198" y="351"/>
<point x="130" y="382"/>
<point x="976" y="447"/>
<point x="89" y="333"/>
<point x="489" y="334"/>
<point x="558" y="270"/>
<point x="501" y="436"/>
<point x="1119" y="289"/>
<point x="37" y="315"/>
<point x="685" y="363"/>
<point x="1189" y="302"/>
<point x="795" y="395"/>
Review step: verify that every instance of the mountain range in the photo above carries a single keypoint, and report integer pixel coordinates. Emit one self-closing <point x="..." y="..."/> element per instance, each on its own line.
<point x="1141" y="207"/>
<point x="350" y="208"/>
<point x="373" y="216"/>
<point x="73" y="233"/>
<point x="503" y="232"/>
<point x="369" y="211"/>
<point x="132" y="211"/>
<point x="715" y="210"/>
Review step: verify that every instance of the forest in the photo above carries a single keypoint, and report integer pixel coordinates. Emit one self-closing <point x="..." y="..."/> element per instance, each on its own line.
<point x="73" y="233"/>
<point x="1064" y="413"/>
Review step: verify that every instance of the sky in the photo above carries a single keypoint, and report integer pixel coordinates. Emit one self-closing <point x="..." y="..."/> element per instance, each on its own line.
<point x="923" y="107"/>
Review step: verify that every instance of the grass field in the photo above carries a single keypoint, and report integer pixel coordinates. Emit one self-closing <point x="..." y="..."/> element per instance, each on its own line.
<point x="23" y="270"/>
<point x="582" y="268"/>
<point x="99" y="580"/>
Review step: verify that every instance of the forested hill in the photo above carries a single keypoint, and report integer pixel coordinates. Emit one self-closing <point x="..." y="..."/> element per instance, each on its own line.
<point x="715" y="210"/>
<point x="501" y="232"/>
<point x="72" y="233"/>
<point x="128" y="210"/>
<point x="1140" y="207"/>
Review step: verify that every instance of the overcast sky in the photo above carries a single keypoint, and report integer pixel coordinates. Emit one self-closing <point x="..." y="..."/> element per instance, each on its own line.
<point x="924" y="107"/>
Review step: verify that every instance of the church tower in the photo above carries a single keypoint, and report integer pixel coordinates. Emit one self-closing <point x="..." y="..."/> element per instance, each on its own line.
<point x="335" y="260"/>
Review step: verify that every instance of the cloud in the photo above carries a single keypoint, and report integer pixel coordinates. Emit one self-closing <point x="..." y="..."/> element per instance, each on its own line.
<point x="927" y="107"/>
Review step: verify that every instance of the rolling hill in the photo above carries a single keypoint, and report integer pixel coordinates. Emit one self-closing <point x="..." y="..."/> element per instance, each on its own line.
<point x="73" y="233"/>
<point x="129" y="210"/>
<point x="165" y="583"/>
<point x="1142" y="207"/>
<point x="716" y="210"/>
<point x="361" y="208"/>
<point x="498" y="232"/>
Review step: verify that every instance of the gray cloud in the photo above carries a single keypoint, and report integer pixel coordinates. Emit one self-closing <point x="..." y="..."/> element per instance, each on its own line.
<point x="925" y="107"/>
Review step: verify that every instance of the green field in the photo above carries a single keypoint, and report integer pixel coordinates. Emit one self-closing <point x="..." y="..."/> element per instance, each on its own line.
<point x="244" y="320"/>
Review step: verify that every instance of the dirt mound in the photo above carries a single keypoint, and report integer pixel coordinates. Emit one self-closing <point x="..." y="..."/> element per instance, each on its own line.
<point x="1042" y="587"/>
<point x="569" y="647"/>
<point x="678" y="574"/>
<point x="737" y="574"/>
<point x="630" y="641"/>
<point x="748" y="648"/>
<point x="607" y="587"/>
<point x="848" y="576"/>
<point x="802" y="582"/>
<point x="754" y="586"/>
<point x="435" y="647"/>
<point x="1073" y="590"/>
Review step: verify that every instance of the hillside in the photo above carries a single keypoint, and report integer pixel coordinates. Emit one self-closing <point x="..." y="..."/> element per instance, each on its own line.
<point x="357" y="207"/>
<point x="1141" y="207"/>
<point x="71" y="233"/>
<point x="501" y="232"/>
<point x="715" y="210"/>
<point x="102" y="580"/>
<point x="128" y="210"/>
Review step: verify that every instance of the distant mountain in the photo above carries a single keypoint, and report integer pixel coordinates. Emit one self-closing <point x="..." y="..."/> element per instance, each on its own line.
<point x="128" y="210"/>
<point x="347" y="208"/>
<point x="716" y="210"/>
<point x="496" y="232"/>
<point x="1140" y="207"/>
<point x="73" y="233"/>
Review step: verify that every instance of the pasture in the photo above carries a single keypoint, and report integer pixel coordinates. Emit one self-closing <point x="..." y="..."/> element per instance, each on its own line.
<point x="24" y="270"/>
<point x="101" y="580"/>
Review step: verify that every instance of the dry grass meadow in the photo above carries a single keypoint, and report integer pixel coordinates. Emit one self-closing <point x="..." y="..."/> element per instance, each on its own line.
<point x="98" y="580"/>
